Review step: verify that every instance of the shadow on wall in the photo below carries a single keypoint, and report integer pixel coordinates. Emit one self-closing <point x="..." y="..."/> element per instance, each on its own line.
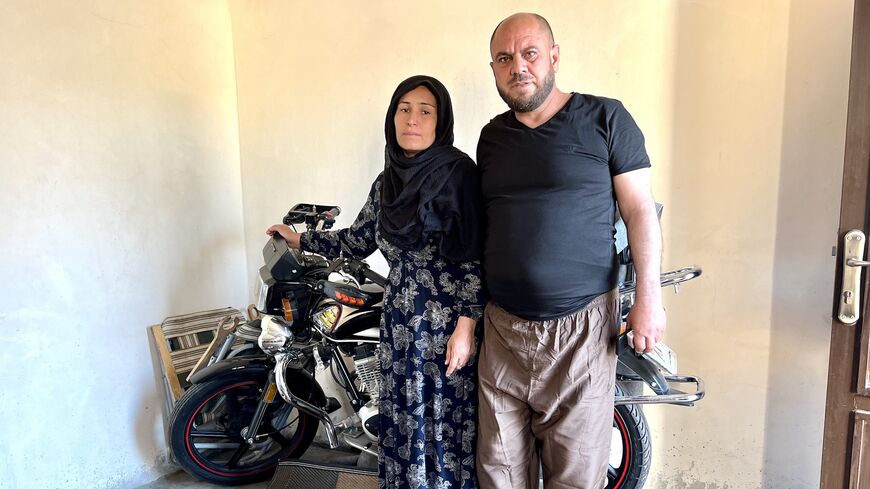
<point x="204" y="270"/>
<point x="816" y="93"/>
<point x="688" y="443"/>
<point x="756" y="206"/>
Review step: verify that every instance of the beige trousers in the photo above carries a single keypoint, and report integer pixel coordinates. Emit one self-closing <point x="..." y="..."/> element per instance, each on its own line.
<point x="546" y="396"/>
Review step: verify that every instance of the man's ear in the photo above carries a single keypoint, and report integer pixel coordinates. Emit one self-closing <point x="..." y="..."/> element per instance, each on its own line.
<point x="554" y="57"/>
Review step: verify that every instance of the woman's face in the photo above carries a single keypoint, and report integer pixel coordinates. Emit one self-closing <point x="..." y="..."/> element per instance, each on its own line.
<point x="416" y="119"/>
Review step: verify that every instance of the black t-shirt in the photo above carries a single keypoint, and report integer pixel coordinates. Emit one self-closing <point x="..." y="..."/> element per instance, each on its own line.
<point x="550" y="204"/>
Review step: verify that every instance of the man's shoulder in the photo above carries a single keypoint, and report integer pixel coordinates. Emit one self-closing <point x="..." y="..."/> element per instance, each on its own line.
<point x="498" y="121"/>
<point x="589" y="101"/>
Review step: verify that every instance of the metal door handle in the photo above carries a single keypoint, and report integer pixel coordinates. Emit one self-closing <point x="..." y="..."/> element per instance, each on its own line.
<point x="850" y="293"/>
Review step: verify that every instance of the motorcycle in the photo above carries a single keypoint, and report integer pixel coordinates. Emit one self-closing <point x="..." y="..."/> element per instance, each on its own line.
<point x="246" y="411"/>
<point x="250" y="407"/>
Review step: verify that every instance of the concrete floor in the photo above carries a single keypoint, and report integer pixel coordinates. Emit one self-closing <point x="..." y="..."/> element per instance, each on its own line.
<point x="183" y="480"/>
<point x="317" y="453"/>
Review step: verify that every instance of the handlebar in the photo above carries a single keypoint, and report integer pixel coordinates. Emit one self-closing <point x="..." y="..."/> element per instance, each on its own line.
<point x="315" y="216"/>
<point x="358" y="269"/>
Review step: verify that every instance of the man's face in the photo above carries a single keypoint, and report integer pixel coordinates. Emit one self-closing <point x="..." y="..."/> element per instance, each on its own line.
<point x="524" y="63"/>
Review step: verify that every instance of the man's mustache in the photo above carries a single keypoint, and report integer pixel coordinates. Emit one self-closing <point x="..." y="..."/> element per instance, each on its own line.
<point x="521" y="78"/>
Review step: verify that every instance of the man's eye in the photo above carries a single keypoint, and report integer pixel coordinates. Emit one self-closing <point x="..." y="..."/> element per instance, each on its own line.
<point x="531" y="55"/>
<point x="502" y="59"/>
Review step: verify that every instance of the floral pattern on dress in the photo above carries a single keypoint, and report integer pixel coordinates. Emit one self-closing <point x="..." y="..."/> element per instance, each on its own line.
<point x="427" y="420"/>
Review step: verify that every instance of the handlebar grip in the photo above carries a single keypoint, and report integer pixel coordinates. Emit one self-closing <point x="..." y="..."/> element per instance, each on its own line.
<point x="325" y="220"/>
<point x="362" y="268"/>
<point x="374" y="277"/>
<point x="333" y="213"/>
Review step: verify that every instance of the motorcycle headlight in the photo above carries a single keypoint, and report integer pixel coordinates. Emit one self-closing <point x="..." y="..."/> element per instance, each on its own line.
<point x="273" y="335"/>
<point x="327" y="317"/>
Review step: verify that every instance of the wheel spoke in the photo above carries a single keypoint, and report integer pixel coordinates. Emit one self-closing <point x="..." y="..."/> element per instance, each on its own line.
<point x="237" y="455"/>
<point x="215" y="434"/>
<point x="279" y="438"/>
<point x="216" y="446"/>
<point x="276" y="433"/>
<point x="611" y="473"/>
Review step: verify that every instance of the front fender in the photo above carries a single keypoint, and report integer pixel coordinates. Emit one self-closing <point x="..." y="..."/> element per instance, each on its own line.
<point x="247" y="362"/>
<point x="301" y="383"/>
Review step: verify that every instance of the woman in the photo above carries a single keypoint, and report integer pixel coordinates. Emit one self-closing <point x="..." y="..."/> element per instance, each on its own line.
<point x="423" y="213"/>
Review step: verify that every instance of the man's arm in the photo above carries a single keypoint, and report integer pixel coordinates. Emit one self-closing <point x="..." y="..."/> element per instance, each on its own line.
<point x="638" y="210"/>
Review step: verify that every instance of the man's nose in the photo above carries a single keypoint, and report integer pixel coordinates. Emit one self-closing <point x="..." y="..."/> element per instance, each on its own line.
<point x="518" y="65"/>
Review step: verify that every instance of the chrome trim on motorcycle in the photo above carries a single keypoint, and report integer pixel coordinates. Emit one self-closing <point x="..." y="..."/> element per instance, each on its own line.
<point x="675" y="396"/>
<point x="356" y="340"/>
<point x="354" y="442"/>
<point x="281" y="361"/>
<point x="667" y="279"/>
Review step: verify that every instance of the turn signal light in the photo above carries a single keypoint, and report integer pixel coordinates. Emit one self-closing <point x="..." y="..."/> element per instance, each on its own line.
<point x="348" y="300"/>
<point x="288" y="309"/>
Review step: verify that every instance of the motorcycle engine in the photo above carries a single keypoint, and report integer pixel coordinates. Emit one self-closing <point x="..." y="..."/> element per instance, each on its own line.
<point x="367" y="370"/>
<point x="369" y="416"/>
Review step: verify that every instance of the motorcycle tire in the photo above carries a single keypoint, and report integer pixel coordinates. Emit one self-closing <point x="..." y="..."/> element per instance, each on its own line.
<point x="207" y="423"/>
<point x="631" y="449"/>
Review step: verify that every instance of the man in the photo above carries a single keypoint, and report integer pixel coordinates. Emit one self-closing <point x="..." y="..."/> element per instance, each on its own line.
<point x="551" y="168"/>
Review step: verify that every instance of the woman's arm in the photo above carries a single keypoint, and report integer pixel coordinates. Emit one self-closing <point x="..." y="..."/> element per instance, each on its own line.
<point x="468" y="299"/>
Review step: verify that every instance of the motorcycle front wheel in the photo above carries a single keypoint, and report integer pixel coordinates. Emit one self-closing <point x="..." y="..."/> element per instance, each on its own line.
<point x="630" y="448"/>
<point x="209" y="423"/>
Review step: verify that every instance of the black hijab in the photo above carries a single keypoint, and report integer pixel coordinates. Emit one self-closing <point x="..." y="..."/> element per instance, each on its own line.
<point x="433" y="196"/>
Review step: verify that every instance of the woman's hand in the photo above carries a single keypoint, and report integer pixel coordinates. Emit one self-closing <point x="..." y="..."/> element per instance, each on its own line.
<point x="460" y="347"/>
<point x="291" y="237"/>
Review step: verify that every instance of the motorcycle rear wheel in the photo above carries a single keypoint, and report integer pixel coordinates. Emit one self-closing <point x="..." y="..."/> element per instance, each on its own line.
<point x="207" y="425"/>
<point x="630" y="450"/>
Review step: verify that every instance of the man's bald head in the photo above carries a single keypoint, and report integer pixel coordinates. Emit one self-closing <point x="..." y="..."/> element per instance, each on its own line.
<point x="542" y="23"/>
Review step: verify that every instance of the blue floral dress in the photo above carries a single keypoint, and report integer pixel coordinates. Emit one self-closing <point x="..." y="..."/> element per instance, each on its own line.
<point x="427" y="420"/>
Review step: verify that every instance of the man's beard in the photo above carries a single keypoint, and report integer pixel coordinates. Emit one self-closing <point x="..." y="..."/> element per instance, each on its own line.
<point x="518" y="104"/>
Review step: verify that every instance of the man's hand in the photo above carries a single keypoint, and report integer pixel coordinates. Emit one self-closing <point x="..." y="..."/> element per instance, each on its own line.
<point x="647" y="323"/>
<point x="460" y="346"/>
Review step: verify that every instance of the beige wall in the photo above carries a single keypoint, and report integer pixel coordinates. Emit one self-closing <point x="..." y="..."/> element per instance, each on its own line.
<point x="121" y="204"/>
<point x="758" y="137"/>
<point x="743" y="105"/>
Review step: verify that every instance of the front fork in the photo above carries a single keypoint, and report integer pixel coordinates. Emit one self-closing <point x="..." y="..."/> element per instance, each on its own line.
<point x="266" y="398"/>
